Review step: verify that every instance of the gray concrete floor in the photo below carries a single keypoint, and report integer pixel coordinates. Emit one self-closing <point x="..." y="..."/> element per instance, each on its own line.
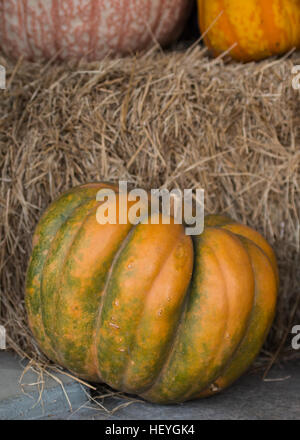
<point x="29" y="396"/>
<point x="250" y="398"/>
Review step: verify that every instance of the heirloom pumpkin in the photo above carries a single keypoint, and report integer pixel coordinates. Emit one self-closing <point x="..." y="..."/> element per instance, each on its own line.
<point x="250" y="29"/>
<point x="146" y="308"/>
<point x="75" y="28"/>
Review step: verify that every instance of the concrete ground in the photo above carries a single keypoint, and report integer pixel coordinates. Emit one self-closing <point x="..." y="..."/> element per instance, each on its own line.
<point x="250" y="398"/>
<point x="21" y="397"/>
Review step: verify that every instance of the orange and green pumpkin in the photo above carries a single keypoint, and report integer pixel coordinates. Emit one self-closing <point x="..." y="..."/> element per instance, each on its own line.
<point x="250" y="29"/>
<point x="146" y="308"/>
<point x="93" y="28"/>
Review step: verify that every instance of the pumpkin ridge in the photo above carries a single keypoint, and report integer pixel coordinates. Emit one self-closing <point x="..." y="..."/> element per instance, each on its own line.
<point x="46" y="213"/>
<point x="242" y="340"/>
<point x="80" y="204"/>
<point x="69" y="255"/>
<point x="227" y="223"/>
<point x="241" y="238"/>
<point x="271" y="253"/>
<point x="94" y="347"/>
<point x="201" y="15"/>
<point x="57" y="24"/>
<point x="230" y="32"/>
<point x="236" y="355"/>
<point x="269" y="29"/>
<point x="293" y="36"/>
<point x="156" y="24"/>
<point x="25" y="17"/>
<point x="147" y="16"/>
<point x="168" y="349"/>
<point x="94" y="17"/>
<point x="236" y="348"/>
<point x="181" y="321"/>
<point x="173" y="342"/>
<point x="122" y="28"/>
<point x="188" y="394"/>
<point x="56" y="299"/>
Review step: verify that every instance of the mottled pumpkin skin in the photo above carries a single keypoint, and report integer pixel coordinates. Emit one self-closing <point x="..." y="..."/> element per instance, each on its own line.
<point x="257" y="28"/>
<point x="93" y="28"/>
<point x="146" y="308"/>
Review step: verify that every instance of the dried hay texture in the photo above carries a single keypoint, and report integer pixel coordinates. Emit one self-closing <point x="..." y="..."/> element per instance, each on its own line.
<point x="172" y="119"/>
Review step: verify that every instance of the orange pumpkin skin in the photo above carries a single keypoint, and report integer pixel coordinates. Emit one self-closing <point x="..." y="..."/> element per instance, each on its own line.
<point x="250" y="29"/>
<point x="93" y="28"/>
<point x="146" y="308"/>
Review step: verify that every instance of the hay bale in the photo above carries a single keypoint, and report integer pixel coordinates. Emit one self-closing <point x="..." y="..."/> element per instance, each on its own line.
<point x="173" y="119"/>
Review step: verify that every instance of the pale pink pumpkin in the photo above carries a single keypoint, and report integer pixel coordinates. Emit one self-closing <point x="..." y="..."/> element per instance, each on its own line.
<point x="74" y="28"/>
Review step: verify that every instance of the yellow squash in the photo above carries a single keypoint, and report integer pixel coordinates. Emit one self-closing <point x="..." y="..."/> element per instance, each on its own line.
<point x="250" y="29"/>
